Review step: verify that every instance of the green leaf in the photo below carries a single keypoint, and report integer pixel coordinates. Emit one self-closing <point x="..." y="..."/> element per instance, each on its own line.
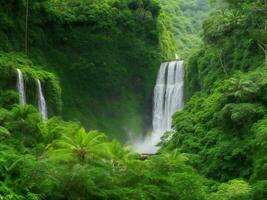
<point x="4" y="132"/>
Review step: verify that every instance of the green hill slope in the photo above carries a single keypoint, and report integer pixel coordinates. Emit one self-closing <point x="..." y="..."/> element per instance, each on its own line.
<point x="186" y="19"/>
<point x="106" y="54"/>
<point x="223" y="126"/>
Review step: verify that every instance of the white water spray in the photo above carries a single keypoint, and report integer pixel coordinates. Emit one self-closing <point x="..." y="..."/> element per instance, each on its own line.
<point x="21" y="88"/>
<point x="168" y="99"/>
<point x="41" y="101"/>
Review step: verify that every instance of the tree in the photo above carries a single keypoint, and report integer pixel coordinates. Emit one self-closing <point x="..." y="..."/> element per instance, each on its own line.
<point x="233" y="190"/>
<point x="24" y="121"/>
<point x="81" y="146"/>
<point x="256" y="11"/>
<point x="242" y="90"/>
<point x="26" y="26"/>
<point x="119" y="155"/>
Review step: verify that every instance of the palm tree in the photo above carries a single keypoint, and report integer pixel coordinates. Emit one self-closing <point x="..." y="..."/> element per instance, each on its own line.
<point x="24" y="120"/>
<point x="242" y="90"/>
<point x="81" y="146"/>
<point x="119" y="155"/>
<point x="21" y="112"/>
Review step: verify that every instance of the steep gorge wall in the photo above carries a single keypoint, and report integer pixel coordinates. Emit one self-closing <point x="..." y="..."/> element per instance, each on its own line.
<point x="106" y="55"/>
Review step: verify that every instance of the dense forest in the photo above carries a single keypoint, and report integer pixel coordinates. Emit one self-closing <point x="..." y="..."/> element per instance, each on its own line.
<point x="105" y="53"/>
<point x="91" y="65"/>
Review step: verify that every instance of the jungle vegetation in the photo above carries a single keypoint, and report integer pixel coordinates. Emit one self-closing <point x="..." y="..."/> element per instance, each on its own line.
<point x="98" y="61"/>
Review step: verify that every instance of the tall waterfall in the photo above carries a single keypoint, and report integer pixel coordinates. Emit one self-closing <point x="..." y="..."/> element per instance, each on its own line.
<point x="41" y="101"/>
<point x="168" y="95"/>
<point x="168" y="98"/>
<point x="21" y="88"/>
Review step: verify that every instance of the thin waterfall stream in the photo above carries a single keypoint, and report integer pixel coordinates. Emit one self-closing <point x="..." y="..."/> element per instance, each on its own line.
<point x="21" y="88"/>
<point x="41" y="101"/>
<point x="168" y="99"/>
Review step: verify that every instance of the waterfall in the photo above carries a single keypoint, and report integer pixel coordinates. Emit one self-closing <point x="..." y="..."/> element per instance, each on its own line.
<point x="21" y="88"/>
<point x="168" y="99"/>
<point x="41" y="101"/>
<point x="168" y="95"/>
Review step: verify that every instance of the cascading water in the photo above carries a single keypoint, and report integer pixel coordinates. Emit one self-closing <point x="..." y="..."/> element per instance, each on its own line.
<point x="21" y="88"/>
<point x="168" y="99"/>
<point x="168" y="95"/>
<point x="41" y="101"/>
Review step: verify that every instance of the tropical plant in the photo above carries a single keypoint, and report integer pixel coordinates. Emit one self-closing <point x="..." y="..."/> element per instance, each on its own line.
<point x="80" y="146"/>
<point x="242" y="90"/>
<point x="234" y="190"/>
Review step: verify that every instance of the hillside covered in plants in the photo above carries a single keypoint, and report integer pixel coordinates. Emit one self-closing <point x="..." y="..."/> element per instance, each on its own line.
<point x="76" y="77"/>
<point x="105" y="54"/>
<point x="186" y="18"/>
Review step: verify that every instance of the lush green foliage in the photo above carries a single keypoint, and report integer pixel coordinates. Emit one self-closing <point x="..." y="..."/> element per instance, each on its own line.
<point x="186" y="19"/>
<point x="233" y="38"/>
<point x="8" y="81"/>
<point x="106" y="55"/>
<point x="59" y="160"/>
<point x="223" y="125"/>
